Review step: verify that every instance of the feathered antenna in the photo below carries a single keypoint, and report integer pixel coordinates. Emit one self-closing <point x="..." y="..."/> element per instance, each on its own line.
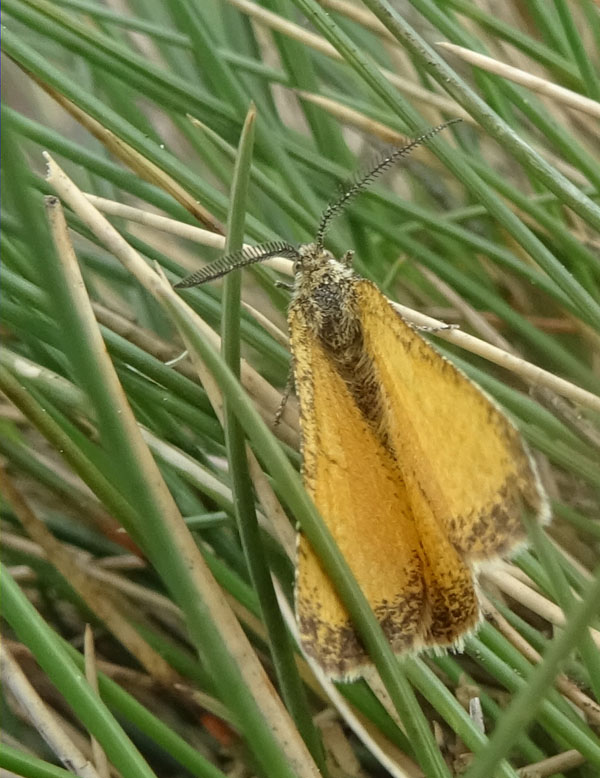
<point x="248" y="256"/>
<point x="362" y="183"/>
<point x="279" y="248"/>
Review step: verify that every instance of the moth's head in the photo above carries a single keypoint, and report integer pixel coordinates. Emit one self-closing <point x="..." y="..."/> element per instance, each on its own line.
<point x="311" y="257"/>
<point x="322" y="287"/>
<point x="315" y="265"/>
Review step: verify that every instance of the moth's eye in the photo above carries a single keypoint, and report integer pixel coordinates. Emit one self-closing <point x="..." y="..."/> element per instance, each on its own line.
<point x="297" y="265"/>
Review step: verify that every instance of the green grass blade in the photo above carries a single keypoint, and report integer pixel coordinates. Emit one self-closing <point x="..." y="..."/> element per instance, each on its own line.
<point x="589" y="75"/>
<point x="281" y="644"/>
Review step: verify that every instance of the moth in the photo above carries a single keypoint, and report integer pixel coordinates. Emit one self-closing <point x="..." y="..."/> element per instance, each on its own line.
<point x="418" y="474"/>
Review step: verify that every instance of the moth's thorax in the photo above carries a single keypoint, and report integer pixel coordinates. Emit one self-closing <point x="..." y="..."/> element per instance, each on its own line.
<point x="324" y="289"/>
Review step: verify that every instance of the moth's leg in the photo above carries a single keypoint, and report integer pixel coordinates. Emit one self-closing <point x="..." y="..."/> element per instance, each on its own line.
<point x="347" y="258"/>
<point x="284" y="285"/>
<point x="437" y="328"/>
<point x="289" y="386"/>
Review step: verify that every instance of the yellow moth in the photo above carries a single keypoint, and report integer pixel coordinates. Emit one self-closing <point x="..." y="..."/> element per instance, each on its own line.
<point x="418" y="474"/>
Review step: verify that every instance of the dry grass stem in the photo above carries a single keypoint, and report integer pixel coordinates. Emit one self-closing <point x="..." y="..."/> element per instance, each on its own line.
<point x="553" y="765"/>
<point x="531" y="599"/>
<point x="158" y="222"/>
<point x="540" y="85"/>
<point x="42" y="718"/>
<point x="99" y="756"/>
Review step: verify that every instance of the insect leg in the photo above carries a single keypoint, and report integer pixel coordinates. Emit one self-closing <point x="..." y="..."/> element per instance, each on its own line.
<point x="289" y="386"/>
<point x="284" y="285"/>
<point x="437" y="328"/>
